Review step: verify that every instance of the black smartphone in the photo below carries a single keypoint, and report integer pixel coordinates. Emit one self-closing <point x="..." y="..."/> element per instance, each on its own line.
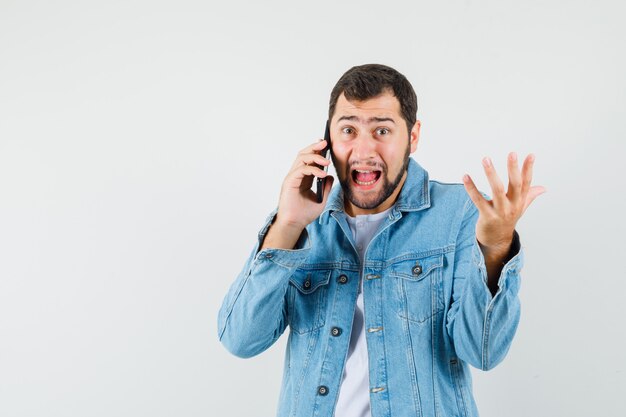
<point x="321" y="182"/>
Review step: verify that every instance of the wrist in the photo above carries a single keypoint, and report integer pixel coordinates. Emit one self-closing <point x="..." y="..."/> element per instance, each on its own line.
<point x="500" y="252"/>
<point x="287" y="225"/>
<point x="282" y="235"/>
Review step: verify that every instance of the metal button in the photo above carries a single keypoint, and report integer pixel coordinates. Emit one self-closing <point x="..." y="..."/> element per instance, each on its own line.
<point x="336" y="331"/>
<point x="417" y="269"/>
<point x="268" y="255"/>
<point x="342" y="279"/>
<point x="322" y="390"/>
<point x="307" y="284"/>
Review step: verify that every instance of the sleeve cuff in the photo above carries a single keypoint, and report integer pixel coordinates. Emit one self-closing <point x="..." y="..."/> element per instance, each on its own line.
<point x="511" y="267"/>
<point x="288" y="258"/>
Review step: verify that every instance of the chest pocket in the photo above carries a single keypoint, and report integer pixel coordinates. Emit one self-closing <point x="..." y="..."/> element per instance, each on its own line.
<point x="306" y="296"/>
<point x="419" y="284"/>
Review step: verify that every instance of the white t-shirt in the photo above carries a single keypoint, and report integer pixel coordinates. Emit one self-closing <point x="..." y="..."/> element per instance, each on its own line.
<point x="354" y="393"/>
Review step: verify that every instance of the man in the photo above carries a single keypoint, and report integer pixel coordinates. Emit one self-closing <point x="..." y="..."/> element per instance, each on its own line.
<point x="394" y="283"/>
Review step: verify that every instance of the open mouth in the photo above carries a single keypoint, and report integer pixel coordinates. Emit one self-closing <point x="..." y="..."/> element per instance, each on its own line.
<point x="365" y="178"/>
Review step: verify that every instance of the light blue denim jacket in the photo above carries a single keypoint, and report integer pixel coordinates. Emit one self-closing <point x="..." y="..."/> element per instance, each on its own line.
<point x="428" y="311"/>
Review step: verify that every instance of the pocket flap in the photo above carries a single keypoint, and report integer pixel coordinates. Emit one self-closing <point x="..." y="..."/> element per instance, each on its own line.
<point x="307" y="281"/>
<point x="416" y="269"/>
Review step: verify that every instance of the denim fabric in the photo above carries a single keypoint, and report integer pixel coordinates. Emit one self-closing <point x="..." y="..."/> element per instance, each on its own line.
<point x="428" y="311"/>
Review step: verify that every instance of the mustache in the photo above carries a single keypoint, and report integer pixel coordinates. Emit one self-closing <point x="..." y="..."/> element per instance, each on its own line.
<point x="380" y="166"/>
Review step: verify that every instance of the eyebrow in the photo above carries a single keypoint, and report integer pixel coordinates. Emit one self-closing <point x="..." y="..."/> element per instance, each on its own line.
<point x="370" y="120"/>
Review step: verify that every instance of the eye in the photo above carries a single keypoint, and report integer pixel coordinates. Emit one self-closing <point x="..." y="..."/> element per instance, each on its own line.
<point x="347" y="130"/>
<point x="382" y="131"/>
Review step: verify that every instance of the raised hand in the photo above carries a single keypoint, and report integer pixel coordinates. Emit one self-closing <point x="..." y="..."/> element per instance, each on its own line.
<point x="497" y="218"/>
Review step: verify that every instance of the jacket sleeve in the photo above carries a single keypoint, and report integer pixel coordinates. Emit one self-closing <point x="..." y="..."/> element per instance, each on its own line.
<point x="253" y="314"/>
<point x="480" y="325"/>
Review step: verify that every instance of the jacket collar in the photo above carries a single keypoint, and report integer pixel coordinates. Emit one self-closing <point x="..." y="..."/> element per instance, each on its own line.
<point x="413" y="196"/>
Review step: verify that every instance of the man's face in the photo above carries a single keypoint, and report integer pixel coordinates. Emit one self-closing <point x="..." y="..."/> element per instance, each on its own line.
<point x="370" y="148"/>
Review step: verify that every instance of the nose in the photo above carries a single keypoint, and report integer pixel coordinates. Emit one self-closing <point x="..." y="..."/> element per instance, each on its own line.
<point x="364" y="147"/>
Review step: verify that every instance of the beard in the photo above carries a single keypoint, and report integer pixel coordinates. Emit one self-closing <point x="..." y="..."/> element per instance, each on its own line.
<point x="388" y="185"/>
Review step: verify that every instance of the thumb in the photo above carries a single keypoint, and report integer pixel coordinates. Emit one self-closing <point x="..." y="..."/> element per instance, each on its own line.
<point x="534" y="192"/>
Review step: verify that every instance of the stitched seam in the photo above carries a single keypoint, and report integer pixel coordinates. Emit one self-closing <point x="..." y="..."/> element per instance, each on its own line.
<point x="486" y="334"/>
<point x="312" y="343"/>
<point x="232" y="304"/>
<point x="410" y="358"/>
<point x="433" y="329"/>
<point x="457" y="390"/>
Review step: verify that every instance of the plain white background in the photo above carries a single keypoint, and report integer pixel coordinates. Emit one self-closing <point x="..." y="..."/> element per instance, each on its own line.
<point x="142" y="144"/>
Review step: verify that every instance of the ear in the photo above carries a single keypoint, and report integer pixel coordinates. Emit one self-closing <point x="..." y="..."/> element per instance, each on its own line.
<point x="415" y="135"/>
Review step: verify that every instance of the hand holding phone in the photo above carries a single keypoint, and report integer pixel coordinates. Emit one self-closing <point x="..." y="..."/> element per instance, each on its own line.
<point x="299" y="204"/>
<point x="321" y="182"/>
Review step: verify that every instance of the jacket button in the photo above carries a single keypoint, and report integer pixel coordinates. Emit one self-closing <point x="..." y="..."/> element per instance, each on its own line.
<point x="336" y="331"/>
<point x="342" y="279"/>
<point x="417" y="269"/>
<point x="307" y="284"/>
<point x="322" y="390"/>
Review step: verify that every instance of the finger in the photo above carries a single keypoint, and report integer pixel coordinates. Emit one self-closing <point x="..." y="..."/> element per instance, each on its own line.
<point x="497" y="188"/>
<point x="314" y="149"/>
<point x="533" y="193"/>
<point x="479" y="201"/>
<point x="308" y="177"/>
<point x="515" y="178"/>
<point x="311" y="159"/>
<point x="527" y="174"/>
<point x="308" y="170"/>
<point x="302" y="178"/>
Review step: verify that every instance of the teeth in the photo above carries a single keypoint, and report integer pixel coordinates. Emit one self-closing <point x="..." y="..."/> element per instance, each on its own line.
<point x="364" y="172"/>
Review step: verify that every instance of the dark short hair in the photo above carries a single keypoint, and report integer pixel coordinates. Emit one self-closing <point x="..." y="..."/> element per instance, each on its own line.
<point x="370" y="80"/>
